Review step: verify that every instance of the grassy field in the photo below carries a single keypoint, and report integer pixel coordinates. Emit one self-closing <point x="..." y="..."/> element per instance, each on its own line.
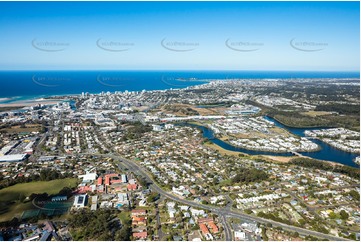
<point x="10" y="206"/>
<point x="278" y="159"/>
<point x="27" y="128"/>
<point x="206" y="111"/>
<point x="223" y="151"/>
<point x="124" y="216"/>
<point x="281" y="159"/>
<point x="316" y="113"/>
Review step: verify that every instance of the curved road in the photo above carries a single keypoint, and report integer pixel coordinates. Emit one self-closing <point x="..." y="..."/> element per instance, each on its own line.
<point x="222" y="212"/>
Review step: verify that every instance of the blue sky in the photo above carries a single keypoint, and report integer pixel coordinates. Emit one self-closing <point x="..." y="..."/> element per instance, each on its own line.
<point x="128" y="35"/>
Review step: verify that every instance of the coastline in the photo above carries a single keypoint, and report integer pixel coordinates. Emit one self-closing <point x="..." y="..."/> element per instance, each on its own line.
<point x="31" y="102"/>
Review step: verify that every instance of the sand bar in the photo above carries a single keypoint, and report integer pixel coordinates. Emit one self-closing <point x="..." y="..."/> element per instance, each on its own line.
<point x="29" y="103"/>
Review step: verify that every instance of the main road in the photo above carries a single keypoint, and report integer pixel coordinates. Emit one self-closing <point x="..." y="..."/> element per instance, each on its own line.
<point x="222" y="212"/>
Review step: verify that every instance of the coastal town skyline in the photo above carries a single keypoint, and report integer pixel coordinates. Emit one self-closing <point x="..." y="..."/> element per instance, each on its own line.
<point x="235" y="159"/>
<point x="180" y="121"/>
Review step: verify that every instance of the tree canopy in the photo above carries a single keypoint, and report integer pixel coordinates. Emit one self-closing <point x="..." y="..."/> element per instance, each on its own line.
<point x="247" y="175"/>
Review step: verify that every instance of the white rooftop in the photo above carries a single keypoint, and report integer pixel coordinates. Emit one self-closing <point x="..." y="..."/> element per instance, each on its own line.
<point x="10" y="158"/>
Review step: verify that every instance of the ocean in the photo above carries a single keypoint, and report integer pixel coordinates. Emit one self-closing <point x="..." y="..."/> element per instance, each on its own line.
<point x="22" y="85"/>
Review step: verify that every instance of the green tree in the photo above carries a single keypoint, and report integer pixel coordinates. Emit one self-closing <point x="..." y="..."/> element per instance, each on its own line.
<point x="153" y="196"/>
<point x="124" y="233"/>
<point x="332" y="215"/>
<point x="21" y="197"/>
<point x="344" y="215"/>
<point x="195" y="227"/>
<point x="302" y="221"/>
<point x="355" y="195"/>
<point x="248" y="211"/>
<point x="66" y="191"/>
<point x="142" y="182"/>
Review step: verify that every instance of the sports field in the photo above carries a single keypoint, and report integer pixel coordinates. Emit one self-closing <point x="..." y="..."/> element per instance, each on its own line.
<point x="9" y="197"/>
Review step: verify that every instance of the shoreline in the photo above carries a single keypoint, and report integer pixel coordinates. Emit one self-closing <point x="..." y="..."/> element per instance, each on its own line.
<point x="333" y="146"/>
<point x="345" y="150"/>
<point x="31" y="102"/>
<point x="259" y="150"/>
<point x="272" y="151"/>
<point x="275" y="155"/>
<point x="7" y="100"/>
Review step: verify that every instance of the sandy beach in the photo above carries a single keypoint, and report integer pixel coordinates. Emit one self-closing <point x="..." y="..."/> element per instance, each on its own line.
<point x="29" y="103"/>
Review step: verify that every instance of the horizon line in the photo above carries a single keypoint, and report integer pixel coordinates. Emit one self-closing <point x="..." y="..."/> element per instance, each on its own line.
<point x="208" y="70"/>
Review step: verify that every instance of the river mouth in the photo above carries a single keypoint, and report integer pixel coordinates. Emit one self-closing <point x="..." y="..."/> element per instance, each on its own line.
<point x="326" y="152"/>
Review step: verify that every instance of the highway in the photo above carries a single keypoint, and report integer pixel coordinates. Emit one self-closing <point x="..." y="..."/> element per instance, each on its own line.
<point x="226" y="227"/>
<point x="222" y="212"/>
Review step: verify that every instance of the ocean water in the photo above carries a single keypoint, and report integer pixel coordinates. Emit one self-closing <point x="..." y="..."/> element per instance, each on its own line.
<point x="20" y="85"/>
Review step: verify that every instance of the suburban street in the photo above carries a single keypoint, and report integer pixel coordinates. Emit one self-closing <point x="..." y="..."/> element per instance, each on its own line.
<point x="222" y="212"/>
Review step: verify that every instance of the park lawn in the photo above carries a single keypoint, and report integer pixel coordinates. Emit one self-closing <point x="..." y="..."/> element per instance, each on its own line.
<point x="14" y="210"/>
<point x="27" y="128"/>
<point x="124" y="216"/>
<point x="205" y="111"/>
<point x="51" y="187"/>
<point x="10" y="205"/>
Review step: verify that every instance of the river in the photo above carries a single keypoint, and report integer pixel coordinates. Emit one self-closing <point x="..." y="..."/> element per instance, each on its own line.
<point x="326" y="152"/>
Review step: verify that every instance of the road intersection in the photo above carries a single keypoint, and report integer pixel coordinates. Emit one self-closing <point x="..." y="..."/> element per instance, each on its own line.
<point x="222" y="212"/>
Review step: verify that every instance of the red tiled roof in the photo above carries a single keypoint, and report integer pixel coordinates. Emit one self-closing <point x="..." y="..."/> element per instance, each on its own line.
<point x="132" y="187"/>
<point x="111" y="175"/>
<point x="213" y="226"/>
<point x="135" y="218"/>
<point x="204" y="229"/>
<point x="139" y="211"/>
<point x="141" y="235"/>
<point x="84" y="189"/>
<point x="107" y="181"/>
<point x="204" y="220"/>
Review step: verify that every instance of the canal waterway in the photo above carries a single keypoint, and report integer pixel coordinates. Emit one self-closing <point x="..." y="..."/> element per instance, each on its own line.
<point x="326" y="152"/>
